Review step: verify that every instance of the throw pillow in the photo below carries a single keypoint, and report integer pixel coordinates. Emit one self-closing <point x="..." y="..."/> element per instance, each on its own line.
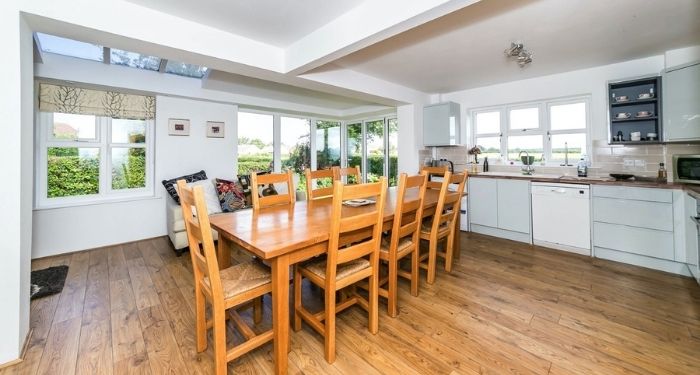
<point x="231" y="196"/>
<point x="210" y="196"/>
<point x="170" y="184"/>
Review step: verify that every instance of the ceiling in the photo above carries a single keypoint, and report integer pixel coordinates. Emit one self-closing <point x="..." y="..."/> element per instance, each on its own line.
<point x="279" y="23"/>
<point x="243" y="85"/>
<point x="464" y="49"/>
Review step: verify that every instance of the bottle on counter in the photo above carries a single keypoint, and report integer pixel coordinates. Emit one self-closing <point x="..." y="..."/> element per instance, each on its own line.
<point x="582" y="168"/>
<point x="662" y="173"/>
<point x="486" y="163"/>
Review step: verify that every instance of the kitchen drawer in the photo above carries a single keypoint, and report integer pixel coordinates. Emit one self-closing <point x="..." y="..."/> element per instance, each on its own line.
<point x="634" y="193"/>
<point x="649" y="242"/>
<point x="652" y="215"/>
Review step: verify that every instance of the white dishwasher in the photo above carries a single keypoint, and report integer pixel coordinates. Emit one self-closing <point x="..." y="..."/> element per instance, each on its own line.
<point x="561" y="216"/>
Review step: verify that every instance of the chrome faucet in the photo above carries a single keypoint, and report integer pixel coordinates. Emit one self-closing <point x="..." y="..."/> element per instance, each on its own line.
<point x="566" y="156"/>
<point x="527" y="163"/>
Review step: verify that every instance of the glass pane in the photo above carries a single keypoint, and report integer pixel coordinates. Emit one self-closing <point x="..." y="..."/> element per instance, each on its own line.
<point x="183" y="69"/>
<point x="575" y="142"/>
<point x="72" y="171"/>
<point x="128" y="131"/>
<point x="255" y="142"/>
<point x="354" y="149"/>
<point x="530" y="143"/>
<point x="488" y="122"/>
<point x="490" y="146"/>
<point x="568" y="116"/>
<point x="393" y="151"/>
<point x="70" y="47"/>
<point x="525" y="118"/>
<point x="375" y="150"/>
<point x="128" y="168"/>
<point x="134" y="60"/>
<point x="71" y="127"/>
<point x="296" y="148"/>
<point x="327" y="144"/>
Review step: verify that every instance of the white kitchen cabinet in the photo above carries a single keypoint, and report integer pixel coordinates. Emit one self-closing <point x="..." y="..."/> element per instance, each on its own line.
<point x="441" y="124"/>
<point x="500" y="207"/>
<point x="681" y="113"/>
<point x="483" y="201"/>
<point x="514" y="205"/>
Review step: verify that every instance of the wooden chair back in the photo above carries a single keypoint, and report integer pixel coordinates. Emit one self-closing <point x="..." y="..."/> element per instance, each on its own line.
<point x="312" y="189"/>
<point x="349" y="221"/>
<point x="448" y="203"/>
<point x="204" y="263"/>
<point x="349" y="175"/>
<point x="408" y="210"/>
<point x="434" y="171"/>
<point x="267" y="179"/>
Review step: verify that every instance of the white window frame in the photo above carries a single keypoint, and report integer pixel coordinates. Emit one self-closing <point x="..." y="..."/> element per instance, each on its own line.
<point x="45" y="140"/>
<point x="544" y="126"/>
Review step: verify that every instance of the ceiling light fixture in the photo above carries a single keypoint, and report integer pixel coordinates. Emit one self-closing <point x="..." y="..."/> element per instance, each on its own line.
<point x="519" y="53"/>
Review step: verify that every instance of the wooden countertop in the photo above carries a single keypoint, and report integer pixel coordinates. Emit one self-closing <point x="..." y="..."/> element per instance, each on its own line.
<point x="693" y="190"/>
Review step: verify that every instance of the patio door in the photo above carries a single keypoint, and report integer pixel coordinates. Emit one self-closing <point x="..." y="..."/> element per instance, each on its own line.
<point x="369" y="143"/>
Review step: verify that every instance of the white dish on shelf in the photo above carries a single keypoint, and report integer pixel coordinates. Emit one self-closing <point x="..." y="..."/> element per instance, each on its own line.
<point x="621" y="99"/>
<point x="645" y="95"/>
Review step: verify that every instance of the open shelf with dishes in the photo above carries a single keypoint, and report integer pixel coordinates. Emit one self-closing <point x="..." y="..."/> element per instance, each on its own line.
<point x="634" y="111"/>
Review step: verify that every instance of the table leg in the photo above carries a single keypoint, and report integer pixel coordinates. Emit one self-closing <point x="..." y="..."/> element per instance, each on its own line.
<point x="280" y="311"/>
<point x="224" y="252"/>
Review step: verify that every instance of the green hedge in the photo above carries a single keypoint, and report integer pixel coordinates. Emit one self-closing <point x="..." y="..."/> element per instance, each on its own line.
<point x="68" y="174"/>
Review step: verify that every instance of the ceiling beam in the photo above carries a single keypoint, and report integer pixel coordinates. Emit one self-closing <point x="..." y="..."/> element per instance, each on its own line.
<point x="366" y="24"/>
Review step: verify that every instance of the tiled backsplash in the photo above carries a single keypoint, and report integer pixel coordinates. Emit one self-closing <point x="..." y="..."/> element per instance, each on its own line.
<point x="640" y="160"/>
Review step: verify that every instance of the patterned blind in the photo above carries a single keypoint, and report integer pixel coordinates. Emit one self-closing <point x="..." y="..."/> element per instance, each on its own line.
<point x="71" y="99"/>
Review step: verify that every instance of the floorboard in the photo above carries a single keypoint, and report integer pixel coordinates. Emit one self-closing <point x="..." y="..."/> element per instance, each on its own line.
<point x="507" y="307"/>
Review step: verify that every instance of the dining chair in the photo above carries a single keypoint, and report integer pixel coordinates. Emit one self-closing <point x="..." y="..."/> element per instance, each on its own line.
<point x="352" y="256"/>
<point x="442" y="225"/>
<point x="312" y="177"/>
<point x="267" y="179"/>
<point x="351" y="175"/>
<point x="225" y="290"/>
<point x="404" y="239"/>
<point x="438" y="171"/>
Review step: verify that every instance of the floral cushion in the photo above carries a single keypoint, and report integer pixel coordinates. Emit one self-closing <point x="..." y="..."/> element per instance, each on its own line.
<point x="171" y="183"/>
<point x="231" y="196"/>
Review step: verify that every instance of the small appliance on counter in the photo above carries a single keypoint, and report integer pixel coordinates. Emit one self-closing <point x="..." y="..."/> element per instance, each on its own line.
<point x="686" y="169"/>
<point x="428" y="162"/>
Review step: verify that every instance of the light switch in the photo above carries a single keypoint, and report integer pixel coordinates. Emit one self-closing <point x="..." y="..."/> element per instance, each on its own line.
<point x="628" y="162"/>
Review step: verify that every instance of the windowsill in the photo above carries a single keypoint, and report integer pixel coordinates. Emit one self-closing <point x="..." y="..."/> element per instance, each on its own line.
<point x="61" y="205"/>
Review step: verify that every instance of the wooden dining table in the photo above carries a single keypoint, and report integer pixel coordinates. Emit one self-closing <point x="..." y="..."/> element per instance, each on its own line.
<point x="287" y="234"/>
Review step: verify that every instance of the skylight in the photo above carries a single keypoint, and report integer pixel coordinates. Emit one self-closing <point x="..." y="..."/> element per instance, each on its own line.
<point x="69" y="47"/>
<point x="184" y="69"/>
<point x="134" y="60"/>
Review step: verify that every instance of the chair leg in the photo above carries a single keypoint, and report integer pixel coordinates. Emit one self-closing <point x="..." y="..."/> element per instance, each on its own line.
<point x="201" y="320"/>
<point x="220" y="363"/>
<point x="393" y="295"/>
<point x="415" y="272"/>
<point x="432" y="259"/>
<point x="329" y="337"/>
<point x="297" y="298"/>
<point x="374" y="295"/>
<point x="449" y="252"/>
<point x="258" y="310"/>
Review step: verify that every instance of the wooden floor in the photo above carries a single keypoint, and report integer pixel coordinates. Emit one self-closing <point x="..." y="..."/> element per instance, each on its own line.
<point x="506" y="308"/>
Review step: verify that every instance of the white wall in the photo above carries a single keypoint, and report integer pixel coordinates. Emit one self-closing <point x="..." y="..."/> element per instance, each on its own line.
<point x="591" y="81"/>
<point x="16" y="189"/>
<point x="76" y="228"/>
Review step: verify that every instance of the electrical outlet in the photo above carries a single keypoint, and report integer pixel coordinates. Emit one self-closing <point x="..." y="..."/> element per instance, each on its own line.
<point x="628" y="162"/>
<point x="640" y="163"/>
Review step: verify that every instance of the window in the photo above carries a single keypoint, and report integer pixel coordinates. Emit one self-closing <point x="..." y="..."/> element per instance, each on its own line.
<point x="134" y="60"/>
<point x="184" y="69"/>
<point x="327" y="144"/>
<point x="355" y="146"/>
<point x="393" y="127"/>
<point x="543" y="129"/>
<point x="255" y="142"/>
<point x="69" y="47"/>
<point x="367" y="144"/>
<point x="295" y="146"/>
<point x="86" y="158"/>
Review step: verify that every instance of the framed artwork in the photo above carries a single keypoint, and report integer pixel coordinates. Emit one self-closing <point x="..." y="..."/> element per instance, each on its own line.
<point x="215" y="129"/>
<point x="177" y="126"/>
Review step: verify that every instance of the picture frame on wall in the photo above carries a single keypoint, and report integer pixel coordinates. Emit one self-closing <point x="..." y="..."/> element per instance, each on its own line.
<point x="215" y="129"/>
<point x="177" y="126"/>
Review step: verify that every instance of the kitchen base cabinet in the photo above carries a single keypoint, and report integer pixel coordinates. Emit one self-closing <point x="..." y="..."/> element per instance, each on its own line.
<point x="642" y="261"/>
<point x="500" y="208"/>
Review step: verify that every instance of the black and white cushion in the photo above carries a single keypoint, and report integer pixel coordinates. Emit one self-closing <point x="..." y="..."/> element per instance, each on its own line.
<point x="170" y="184"/>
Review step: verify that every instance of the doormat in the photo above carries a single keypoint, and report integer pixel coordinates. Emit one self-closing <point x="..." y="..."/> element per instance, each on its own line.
<point x="48" y="281"/>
